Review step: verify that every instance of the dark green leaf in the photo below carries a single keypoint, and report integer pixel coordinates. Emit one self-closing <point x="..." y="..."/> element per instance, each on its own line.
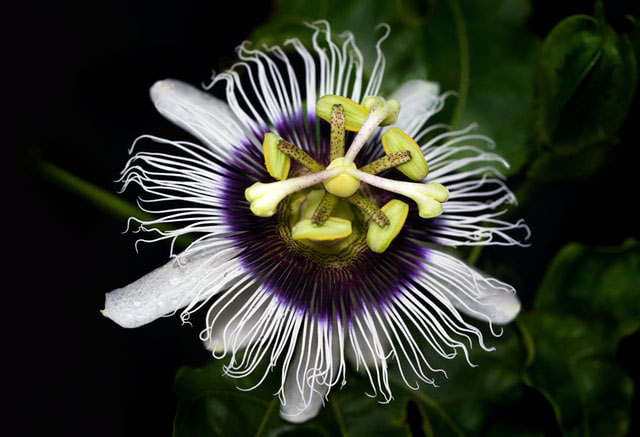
<point x="500" y="66"/>
<point x="568" y="54"/>
<point x="589" y="299"/>
<point x="585" y="84"/>
<point x="596" y="285"/>
<point x="634" y="37"/>
<point x="488" y="399"/>
<point x="210" y="404"/>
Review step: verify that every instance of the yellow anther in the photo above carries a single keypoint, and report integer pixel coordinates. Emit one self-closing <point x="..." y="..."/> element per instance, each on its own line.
<point x="393" y="141"/>
<point x="311" y="203"/>
<point x="379" y="238"/>
<point x="333" y="229"/>
<point x="354" y="114"/>
<point x="276" y="161"/>
<point x="342" y="185"/>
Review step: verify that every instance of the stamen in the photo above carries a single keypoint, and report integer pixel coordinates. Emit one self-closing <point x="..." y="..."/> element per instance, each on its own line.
<point x="337" y="132"/>
<point x="380" y="113"/>
<point x="370" y="209"/>
<point x="323" y="211"/>
<point x="427" y="196"/>
<point x="387" y="162"/>
<point x="264" y="198"/>
<point x="300" y="155"/>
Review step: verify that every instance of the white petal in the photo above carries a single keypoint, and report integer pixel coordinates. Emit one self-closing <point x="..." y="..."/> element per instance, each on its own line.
<point x="499" y="306"/>
<point x="294" y="410"/>
<point x="306" y="386"/>
<point x="164" y="290"/>
<point x="418" y="101"/>
<point x="233" y="323"/>
<point x="203" y="115"/>
<point x="472" y="292"/>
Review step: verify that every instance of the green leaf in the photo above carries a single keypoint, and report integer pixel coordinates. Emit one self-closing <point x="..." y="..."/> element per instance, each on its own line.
<point x="501" y="53"/>
<point x="489" y="399"/>
<point x="568" y="53"/>
<point x="485" y="400"/>
<point x="585" y="83"/>
<point x="634" y="37"/>
<point x="595" y="284"/>
<point x="588" y="301"/>
<point x="209" y="404"/>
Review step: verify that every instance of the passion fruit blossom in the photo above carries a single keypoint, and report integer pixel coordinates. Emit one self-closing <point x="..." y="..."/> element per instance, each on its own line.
<point x="307" y="253"/>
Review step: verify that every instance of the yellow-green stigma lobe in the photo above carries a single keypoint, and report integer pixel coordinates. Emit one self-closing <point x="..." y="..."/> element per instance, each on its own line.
<point x="342" y="185"/>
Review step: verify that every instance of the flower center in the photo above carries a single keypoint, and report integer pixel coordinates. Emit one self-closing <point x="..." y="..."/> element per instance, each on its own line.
<point x="338" y="186"/>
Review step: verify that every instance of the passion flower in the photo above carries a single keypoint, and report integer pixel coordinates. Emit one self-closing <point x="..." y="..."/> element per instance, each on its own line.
<point x="321" y="214"/>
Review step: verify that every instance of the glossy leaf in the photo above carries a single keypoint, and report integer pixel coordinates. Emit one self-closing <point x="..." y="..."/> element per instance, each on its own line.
<point x="585" y="83"/>
<point x="209" y="404"/>
<point x="500" y="52"/>
<point x="587" y="302"/>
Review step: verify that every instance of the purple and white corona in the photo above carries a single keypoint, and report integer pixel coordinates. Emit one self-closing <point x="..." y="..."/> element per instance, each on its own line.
<point x="321" y="215"/>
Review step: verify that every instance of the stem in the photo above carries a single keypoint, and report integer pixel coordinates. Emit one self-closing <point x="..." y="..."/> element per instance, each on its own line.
<point x="463" y="47"/>
<point x="474" y="255"/>
<point x="101" y="198"/>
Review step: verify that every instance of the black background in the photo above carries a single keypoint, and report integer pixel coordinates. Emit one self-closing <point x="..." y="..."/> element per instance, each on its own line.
<point x="77" y="84"/>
